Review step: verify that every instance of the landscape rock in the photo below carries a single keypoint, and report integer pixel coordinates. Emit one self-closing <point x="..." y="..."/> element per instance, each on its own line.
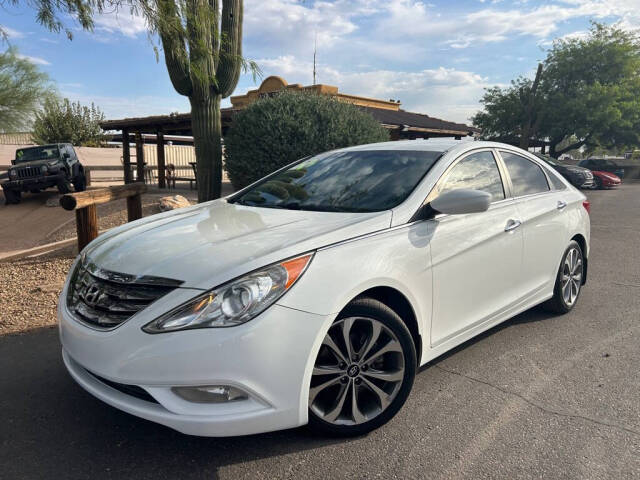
<point x="173" y="202"/>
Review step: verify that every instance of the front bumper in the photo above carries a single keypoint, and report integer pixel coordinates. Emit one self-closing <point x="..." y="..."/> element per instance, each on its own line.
<point x="270" y="357"/>
<point x="26" y="184"/>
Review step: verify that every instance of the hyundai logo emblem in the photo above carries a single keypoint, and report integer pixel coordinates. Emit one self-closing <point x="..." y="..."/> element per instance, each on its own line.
<point x="92" y="294"/>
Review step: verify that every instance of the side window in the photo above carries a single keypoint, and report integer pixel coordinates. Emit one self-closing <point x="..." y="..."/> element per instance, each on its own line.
<point x="556" y="183"/>
<point x="526" y="177"/>
<point x="478" y="171"/>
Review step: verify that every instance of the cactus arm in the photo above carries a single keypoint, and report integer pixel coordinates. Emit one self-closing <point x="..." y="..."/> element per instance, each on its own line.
<point x="175" y="51"/>
<point x="230" y="58"/>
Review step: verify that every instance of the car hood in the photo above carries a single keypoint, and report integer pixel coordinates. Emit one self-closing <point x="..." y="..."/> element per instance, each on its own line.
<point x="211" y="243"/>
<point x="36" y="163"/>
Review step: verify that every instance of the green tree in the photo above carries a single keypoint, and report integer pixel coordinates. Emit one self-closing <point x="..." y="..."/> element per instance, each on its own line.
<point x="588" y="95"/>
<point x="52" y="14"/>
<point x="202" y="44"/>
<point x="275" y="131"/>
<point x="22" y="89"/>
<point x="61" y="121"/>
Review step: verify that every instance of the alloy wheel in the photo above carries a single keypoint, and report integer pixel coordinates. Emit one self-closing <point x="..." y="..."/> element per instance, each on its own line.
<point x="358" y="372"/>
<point x="571" y="276"/>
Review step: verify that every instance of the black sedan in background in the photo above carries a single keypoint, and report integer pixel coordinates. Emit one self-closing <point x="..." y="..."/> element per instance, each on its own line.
<point x="602" y="165"/>
<point x="579" y="177"/>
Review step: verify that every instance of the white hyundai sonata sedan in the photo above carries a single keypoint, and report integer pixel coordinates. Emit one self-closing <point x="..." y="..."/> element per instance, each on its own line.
<point x="313" y="295"/>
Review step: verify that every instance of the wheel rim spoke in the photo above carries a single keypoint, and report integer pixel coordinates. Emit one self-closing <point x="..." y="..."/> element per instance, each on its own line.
<point x="383" y="397"/>
<point x="571" y="277"/>
<point x="358" y="416"/>
<point x="313" y="393"/>
<point x="326" y="370"/>
<point x="376" y="328"/>
<point x="333" y="414"/>
<point x="328" y="341"/>
<point x="392" y="346"/>
<point x="346" y="334"/>
<point x="386" y="376"/>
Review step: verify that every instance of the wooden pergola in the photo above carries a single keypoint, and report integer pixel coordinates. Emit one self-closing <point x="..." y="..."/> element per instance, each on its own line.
<point x="400" y="123"/>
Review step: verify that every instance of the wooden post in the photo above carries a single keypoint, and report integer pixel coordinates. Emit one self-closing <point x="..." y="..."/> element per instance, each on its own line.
<point x="134" y="207"/>
<point x="87" y="176"/>
<point x="126" y="156"/>
<point x="86" y="225"/>
<point x="139" y="158"/>
<point x="161" y="164"/>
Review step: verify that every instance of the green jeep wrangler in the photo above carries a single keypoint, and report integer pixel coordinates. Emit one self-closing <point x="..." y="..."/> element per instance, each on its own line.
<point x="37" y="168"/>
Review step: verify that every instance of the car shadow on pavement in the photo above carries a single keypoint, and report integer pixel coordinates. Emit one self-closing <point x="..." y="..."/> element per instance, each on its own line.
<point x="533" y="315"/>
<point x="52" y="428"/>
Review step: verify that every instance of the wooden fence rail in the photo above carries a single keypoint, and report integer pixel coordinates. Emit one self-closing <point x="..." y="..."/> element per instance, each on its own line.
<point x="84" y="203"/>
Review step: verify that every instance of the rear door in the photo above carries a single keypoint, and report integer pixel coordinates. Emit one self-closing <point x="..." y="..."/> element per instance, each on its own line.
<point x="541" y="201"/>
<point x="476" y="258"/>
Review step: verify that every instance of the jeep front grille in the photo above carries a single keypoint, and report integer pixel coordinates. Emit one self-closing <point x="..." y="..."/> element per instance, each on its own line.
<point x="104" y="299"/>
<point x="28" y="172"/>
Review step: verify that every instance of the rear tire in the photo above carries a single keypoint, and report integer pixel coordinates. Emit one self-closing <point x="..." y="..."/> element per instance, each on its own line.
<point x="80" y="182"/>
<point x="568" y="281"/>
<point x="378" y="384"/>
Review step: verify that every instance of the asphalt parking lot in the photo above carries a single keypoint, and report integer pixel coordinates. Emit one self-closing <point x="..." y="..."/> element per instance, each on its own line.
<point x="539" y="396"/>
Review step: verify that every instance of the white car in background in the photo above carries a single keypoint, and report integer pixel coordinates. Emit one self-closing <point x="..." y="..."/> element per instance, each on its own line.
<point x="313" y="295"/>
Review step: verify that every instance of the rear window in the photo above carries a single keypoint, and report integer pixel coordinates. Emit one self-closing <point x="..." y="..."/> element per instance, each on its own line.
<point x="352" y="181"/>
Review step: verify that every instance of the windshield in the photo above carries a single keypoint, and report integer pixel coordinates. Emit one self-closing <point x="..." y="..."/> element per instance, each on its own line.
<point x="355" y="181"/>
<point x="37" y="153"/>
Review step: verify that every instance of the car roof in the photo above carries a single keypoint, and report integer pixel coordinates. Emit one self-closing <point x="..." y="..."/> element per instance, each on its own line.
<point x="44" y="146"/>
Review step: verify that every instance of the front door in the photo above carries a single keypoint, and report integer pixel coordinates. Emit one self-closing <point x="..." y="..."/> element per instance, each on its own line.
<point x="476" y="258"/>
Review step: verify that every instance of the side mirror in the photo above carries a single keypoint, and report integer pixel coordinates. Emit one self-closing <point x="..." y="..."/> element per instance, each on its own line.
<point x="13" y="162"/>
<point x="461" y="201"/>
<point x="66" y="156"/>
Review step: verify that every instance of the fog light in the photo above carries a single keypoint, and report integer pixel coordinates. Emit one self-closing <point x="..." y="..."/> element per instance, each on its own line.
<point x="210" y="394"/>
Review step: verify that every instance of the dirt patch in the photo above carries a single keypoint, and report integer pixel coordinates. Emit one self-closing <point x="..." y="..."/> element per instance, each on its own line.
<point x="29" y="291"/>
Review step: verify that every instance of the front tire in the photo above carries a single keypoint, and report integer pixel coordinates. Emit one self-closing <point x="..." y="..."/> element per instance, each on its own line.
<point x="11" y="196"/>
<point x="364" y="371"/>
<point x="568" y="281"/>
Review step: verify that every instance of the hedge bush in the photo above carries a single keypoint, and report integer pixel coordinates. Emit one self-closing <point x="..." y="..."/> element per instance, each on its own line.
<point x="275" y="131"/>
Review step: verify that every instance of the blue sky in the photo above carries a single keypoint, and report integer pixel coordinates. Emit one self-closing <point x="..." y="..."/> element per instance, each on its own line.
<point x="436" y="57"/>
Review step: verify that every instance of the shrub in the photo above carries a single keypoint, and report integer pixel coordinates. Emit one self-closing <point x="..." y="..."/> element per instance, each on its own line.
<point x="275" y="131"/>
<point x="61" y="121"/>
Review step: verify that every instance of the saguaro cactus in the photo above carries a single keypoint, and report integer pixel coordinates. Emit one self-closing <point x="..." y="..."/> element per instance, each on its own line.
<point x="203" y="52"/>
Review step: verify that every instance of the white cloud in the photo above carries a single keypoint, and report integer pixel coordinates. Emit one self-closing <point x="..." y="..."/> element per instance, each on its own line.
<point x="441" y="92"/>
<point x="122" y="22"/>
<point x="35" y="60"/>
<point x="11" y="33"/>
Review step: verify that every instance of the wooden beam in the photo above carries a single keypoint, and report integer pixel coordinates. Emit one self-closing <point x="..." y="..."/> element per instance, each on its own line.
<point x="134" y="207"/>
<point x="74" y="201"/>
<point x="86" y="225"/>
<point x="139" y="158"/>
<point x="161" y="163"/>
<point x="126" y="156"/>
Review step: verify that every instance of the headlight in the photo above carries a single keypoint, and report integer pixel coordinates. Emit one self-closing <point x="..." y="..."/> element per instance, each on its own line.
<point x="44" y="169"/>
<point x="235" y="302"/>
<point x="13" y="173"/>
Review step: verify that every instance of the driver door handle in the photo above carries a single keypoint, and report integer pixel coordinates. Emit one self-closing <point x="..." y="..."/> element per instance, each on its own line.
<point x="561" y="204"/>
<point x="512" y="225"/>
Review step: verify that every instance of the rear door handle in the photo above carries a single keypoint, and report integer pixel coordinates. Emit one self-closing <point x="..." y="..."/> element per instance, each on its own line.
<point x="512" y="225"/>
<point x="561" y="205"/>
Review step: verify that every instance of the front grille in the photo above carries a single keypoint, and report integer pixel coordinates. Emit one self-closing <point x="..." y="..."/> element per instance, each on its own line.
<point x="105" y="299"/>
<point x="132" y="390"/>
<point x="29" y="172"/>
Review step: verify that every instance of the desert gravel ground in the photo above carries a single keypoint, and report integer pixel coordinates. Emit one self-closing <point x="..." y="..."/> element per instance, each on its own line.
<point x="540" y="396"/>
